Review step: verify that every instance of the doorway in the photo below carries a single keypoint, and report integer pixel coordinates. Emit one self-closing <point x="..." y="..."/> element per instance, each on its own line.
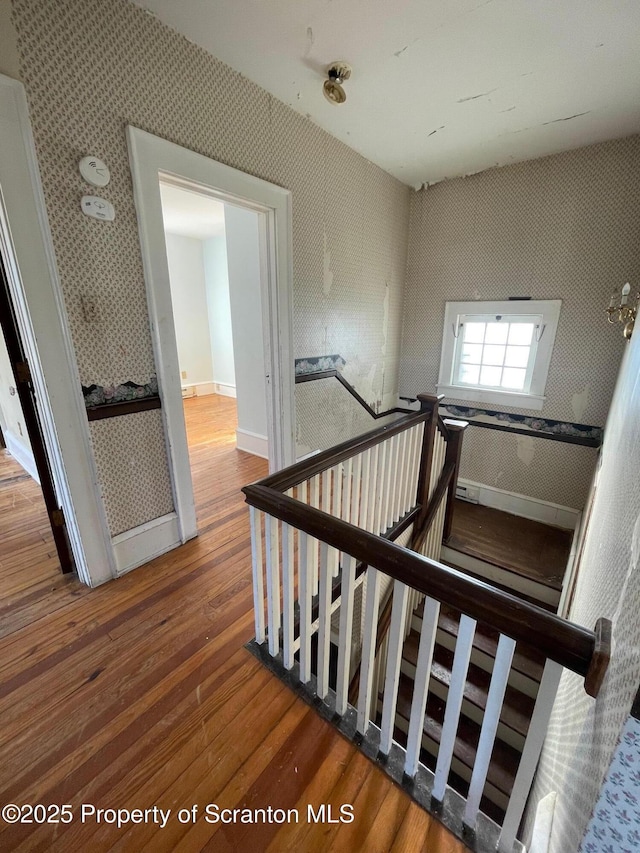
<point x="213" y="257"/>
<point x="35" y="543"/>
<point x="155" y="161"/>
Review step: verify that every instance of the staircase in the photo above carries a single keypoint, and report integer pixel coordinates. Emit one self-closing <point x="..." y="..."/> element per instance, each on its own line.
<point x="520" y="556"/>
<point x="430" y="674"/>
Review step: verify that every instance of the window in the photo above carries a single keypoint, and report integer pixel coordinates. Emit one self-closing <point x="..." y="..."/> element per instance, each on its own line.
<point x="498" y="352"/>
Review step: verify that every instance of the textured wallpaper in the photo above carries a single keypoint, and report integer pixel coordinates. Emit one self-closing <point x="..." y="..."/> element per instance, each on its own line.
<point x="526" y="464"/>
<point x="90" y="67"/>
<point x="562" y="227"/>
<point x="583" y="732"/>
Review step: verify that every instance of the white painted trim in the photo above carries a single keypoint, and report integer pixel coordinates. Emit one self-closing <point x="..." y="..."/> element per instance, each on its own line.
<point x="224" y="389"/>
<point x="37" y="298"/>
<point x="524" y="506"/>
<point x="200" y="389"/>
<point x="253" y="443"/>
<point x="543" y="824"/>
<point x="141" y="544"/>
<point x="22" y="454"/>
<point x="492" y="397"/>
<point x="533" y="398"/>
<point x="151" y="158"/>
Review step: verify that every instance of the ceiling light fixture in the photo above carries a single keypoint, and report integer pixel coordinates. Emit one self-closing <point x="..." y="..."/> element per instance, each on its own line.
<point x="337" y="73"/>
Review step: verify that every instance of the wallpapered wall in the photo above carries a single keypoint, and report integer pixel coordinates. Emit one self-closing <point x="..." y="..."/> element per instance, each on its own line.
<point x="583" y="731"/>
<point x="562" y="227"/>
<point x="90" y="67"/>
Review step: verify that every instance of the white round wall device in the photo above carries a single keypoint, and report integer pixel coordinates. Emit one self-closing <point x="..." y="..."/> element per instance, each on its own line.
<point x="94" y="171"/>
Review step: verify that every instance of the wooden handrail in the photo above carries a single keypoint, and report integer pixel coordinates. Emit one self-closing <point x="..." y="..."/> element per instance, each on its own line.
<point x="384" y="621"/>
<point x="306" y="468"/>
<point x="330" y="374"/>
<point x="568" y="644"/>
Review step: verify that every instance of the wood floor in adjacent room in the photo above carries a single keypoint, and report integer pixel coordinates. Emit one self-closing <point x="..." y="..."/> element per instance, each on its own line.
<point x="140" y="694"/>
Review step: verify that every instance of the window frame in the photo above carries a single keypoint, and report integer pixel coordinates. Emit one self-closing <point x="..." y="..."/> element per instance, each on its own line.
<point x="533" y="398"/>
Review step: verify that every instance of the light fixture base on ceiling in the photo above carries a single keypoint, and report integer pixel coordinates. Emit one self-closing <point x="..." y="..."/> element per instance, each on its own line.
<point x="332" y="88"/>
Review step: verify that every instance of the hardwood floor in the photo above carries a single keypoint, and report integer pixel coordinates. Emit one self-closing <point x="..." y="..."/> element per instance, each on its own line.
<point x="140" y="694"/>
<point x="29" y="565"/>
<point x="532" y="549"/>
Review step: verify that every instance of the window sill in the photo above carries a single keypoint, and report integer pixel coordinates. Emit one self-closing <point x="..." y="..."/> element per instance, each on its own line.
<point x="505" y="398"/>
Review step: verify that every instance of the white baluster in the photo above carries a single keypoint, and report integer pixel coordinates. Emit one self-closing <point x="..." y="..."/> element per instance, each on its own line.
<point x="373" y="489"/>
<point x="345" y="512"/>
<point x="305" y="574"/>
<point x="501" y="667"/>
<point x="365" y="487"/>
<point x="257" y="567"/>
<point x="394" y="659"/>
<point x="380" y="488"/>
<point x="464" y="645"/>
<point x="312" y="550"/>
<point x="530" y="754"/>
<point x="354" y="516"/>
<point x="288" y="593"/>
<point x="334" y="563"/>
<point x="398" y="507"/>
<point x="324" y="617"/>
<point x="372" y="598"/>
<point x="389" y="481"/>
<point x="347" y="593"/>
<point x="273" y="583"/>
<point x="421" y="684"/>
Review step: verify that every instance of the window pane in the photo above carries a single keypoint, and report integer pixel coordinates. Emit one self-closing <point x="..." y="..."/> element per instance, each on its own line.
<point x="469" y="374"/>
<point x="474" y="333"/>
<point x="493" y="355"/>
<point x="517" y="356"/>
<point x="490" y="376"/>
<point x="513" y="377"/>
<point x="497" y="333"/>
<point x="521" y="333"/>
<point x="472" y="353"/>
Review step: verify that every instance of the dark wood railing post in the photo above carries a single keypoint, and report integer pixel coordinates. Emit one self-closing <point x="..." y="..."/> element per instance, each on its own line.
<point x="454" y="450"/>
<point x="428" y="403"/>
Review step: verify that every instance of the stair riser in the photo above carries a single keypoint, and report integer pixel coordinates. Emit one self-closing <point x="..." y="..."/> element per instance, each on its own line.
<point x="494" y="573"/>
<point x="521" y="682"/>
<point x="471" y="711"/>
<point x="430" y="746"/>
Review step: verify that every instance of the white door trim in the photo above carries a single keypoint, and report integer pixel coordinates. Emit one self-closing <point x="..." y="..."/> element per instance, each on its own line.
<point x="152" y="158"/>
<point x="38" y="302"/>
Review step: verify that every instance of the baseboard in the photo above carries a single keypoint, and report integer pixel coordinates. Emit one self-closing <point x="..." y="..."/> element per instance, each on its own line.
<point x="22" y="454"/>
<point x="198" y="389"/>
<point x="141" y="544"/>
<point x="524" y="506"/>
<point x="224" y="389"/>
<point x="253" y="443"/>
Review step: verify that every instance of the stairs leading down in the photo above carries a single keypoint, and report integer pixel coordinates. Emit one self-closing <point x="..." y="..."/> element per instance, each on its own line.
<point x="514" y="720"/>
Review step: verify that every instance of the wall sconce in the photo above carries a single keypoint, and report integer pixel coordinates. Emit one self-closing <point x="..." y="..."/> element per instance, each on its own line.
<point x="623" y="312"/>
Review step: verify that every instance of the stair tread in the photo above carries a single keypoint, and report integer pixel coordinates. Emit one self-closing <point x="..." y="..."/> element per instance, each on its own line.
<point x="504" y="759"/>
<point x="517" y="707"/>
<point x="526" y="659"/>
<point x="552" y="608"/>
<point x="528" y="548"/>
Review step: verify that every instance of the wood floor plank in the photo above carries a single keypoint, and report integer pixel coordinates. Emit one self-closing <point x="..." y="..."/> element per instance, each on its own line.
<point x="140" y="692"/>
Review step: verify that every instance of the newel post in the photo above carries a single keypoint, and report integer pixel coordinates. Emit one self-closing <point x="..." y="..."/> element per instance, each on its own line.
<point x="428" y="403"/>
<point x="455" y="432"/>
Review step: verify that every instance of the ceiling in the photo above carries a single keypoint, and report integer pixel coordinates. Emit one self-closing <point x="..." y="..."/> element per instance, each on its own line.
<point x="440" y="88"/>
<point x="191" y="214"/>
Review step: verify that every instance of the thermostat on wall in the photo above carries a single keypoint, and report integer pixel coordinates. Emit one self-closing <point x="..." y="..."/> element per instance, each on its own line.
<point x="94" y="171"/>
<point x="98" y="208"/>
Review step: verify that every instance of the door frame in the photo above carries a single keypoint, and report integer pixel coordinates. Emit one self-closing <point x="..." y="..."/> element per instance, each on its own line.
<point x="29" y="410"/>
<point x="36" y="296"/>
<point x="153" y="159"/>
